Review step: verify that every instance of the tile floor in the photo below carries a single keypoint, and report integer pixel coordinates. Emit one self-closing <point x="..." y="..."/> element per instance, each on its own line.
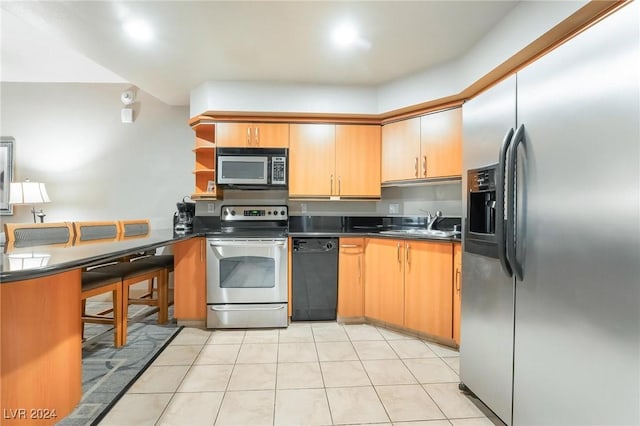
<point x="307" y="374"/>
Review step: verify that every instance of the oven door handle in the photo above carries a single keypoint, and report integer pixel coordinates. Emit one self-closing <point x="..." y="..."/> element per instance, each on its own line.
<point x="247" y="243"/>
<point x="277" y="308"/>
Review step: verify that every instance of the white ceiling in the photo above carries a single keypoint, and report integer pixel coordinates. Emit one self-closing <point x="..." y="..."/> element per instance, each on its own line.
<point x="266" y="41"/>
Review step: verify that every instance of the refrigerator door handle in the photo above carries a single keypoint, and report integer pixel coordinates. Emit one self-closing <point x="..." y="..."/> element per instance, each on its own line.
<point x="512" y="160"/>
<point x="500" y="204"/>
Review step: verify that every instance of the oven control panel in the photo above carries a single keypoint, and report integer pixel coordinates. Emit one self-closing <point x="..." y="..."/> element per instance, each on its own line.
<point x="254" y="213"/>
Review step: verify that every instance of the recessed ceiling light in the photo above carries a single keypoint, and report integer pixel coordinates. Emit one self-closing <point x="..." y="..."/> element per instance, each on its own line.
<point x="138" y="30"/>
<point x="345" y="35"/>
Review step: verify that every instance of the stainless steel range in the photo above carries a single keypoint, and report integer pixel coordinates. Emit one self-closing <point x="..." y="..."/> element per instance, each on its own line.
<point x="247" y="268"/>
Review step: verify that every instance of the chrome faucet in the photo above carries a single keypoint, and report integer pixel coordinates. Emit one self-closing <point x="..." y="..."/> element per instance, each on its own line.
<point x="432" y="219"/>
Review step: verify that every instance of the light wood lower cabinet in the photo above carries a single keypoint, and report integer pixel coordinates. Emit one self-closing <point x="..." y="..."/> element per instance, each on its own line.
<point x="384" y="280"/>
<point x="408" y="283"/>
<point x="428" y="287"/>
<point x="190" y="302"/>
<point x="40" y="349"/>
<point x="351" y="278"/>
<point x="457" y="290"/>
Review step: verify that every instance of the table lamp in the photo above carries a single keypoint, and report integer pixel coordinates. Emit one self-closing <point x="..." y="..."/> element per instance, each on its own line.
<point x="29" y="193"/>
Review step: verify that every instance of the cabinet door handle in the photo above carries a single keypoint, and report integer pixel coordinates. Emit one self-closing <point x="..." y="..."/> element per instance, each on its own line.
<point x="257" y="137"/>
<point x="398" y="255"/>
<point x="416" y="166"/>
<point x="359" y="267"/>
<point x="458" y="280"/>
<point x="339" y="185"/>
<point x="424" y="166"/>
<point x="202" y="251"/>
<point x="349" y="246"/>
<point x="331" y="188"/>
<point x="248" y="135"/>
<point x="407" y="248"/>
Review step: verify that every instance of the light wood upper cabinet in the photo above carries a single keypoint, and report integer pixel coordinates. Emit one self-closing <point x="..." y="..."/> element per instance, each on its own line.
<point x="327" y="160"/>
<point x="428" y="287"/>
<point x="358" y="161"/>
<point x="189" y="280"/>
<point x="384" y="280"/>
<point x="252" y="135"/>
<point x="457" y="290"/>
<point x="401" y="150"/>
<point x="351" y="278"/>
<point x="441" y="143"/>
<point x="423" y="147"/>
<point x="311" y="160"/>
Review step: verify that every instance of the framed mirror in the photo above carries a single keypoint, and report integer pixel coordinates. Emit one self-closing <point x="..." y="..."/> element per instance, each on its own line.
<point x="6" y="173"/>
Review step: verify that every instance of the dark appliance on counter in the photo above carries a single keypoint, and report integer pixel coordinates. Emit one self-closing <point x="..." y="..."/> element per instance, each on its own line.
<point x="183" y="218"/>
<point x="247" y="268"/>
<point x="252" y="168"/>
<point x="314" y="282"/>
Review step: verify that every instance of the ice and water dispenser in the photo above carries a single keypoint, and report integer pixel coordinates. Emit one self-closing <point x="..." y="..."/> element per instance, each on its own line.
<point x="480" y="232"/>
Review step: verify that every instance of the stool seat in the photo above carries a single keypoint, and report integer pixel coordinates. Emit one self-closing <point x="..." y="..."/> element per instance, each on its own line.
<point x="93" y="280"/>
<point x="126" y="270"/>
<point x="164" y="260"/>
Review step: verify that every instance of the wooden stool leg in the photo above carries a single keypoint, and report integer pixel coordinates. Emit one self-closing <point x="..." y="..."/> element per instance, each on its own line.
<point x="163" y="297"/>
<point x="124" y="311"/>
<point x="82" y="314"/>
<point x="117" y="317"/>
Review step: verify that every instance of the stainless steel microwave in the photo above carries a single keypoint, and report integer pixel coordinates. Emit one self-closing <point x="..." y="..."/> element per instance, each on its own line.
<point x="260" y="168"/>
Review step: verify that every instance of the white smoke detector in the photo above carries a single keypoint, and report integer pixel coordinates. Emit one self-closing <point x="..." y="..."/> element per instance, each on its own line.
<point x="127" y="97"/>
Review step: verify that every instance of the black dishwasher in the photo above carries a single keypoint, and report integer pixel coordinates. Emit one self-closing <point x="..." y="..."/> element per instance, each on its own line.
<point x="314" y="287"/>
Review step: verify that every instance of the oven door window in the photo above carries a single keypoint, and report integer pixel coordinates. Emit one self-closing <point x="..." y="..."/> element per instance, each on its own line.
<point x="247" y="272"/>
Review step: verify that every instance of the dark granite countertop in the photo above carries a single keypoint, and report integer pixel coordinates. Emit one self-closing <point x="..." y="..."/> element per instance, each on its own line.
<point x="376" y="234"/>
<point x="38" y="261"/>
<point x="366" y="226"/>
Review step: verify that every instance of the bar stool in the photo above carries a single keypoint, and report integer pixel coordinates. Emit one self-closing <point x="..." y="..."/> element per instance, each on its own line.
<point x="135" y="272"/>
<point x="95" y="284"/>
<point x="93" y="232"/>
<point x="19" y="235"/>
<point x="131" y="273"/>
<point x="140" y="227"/>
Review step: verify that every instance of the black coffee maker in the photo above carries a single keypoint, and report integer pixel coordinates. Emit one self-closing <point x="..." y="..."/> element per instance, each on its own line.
<point x="183" y="218"/>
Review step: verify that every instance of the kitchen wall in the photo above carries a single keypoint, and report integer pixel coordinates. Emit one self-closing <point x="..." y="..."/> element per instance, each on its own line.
<point x="410" y="201"/>
<point x="95" y="167"/>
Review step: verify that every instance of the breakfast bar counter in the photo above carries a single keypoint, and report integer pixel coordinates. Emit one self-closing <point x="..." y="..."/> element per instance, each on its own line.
<point x="38" y="261"/>
<point x="40" y="325"/>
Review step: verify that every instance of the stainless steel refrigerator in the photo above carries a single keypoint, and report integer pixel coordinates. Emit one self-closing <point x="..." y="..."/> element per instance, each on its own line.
<point x="550" y="323"/>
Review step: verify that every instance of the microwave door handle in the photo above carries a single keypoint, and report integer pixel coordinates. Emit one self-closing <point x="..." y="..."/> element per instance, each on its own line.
<point x="500" y="203"/>
<point x="512" y="160"/>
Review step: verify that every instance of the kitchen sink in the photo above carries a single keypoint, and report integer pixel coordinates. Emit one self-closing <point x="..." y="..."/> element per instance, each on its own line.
<point x="429" y="233"/>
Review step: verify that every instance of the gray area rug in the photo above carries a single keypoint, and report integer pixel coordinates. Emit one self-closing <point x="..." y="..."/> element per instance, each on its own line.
<point x="108" y="372"/>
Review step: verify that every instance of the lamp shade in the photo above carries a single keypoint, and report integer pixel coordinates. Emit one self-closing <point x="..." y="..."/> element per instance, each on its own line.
<point x="28" y="193"/>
